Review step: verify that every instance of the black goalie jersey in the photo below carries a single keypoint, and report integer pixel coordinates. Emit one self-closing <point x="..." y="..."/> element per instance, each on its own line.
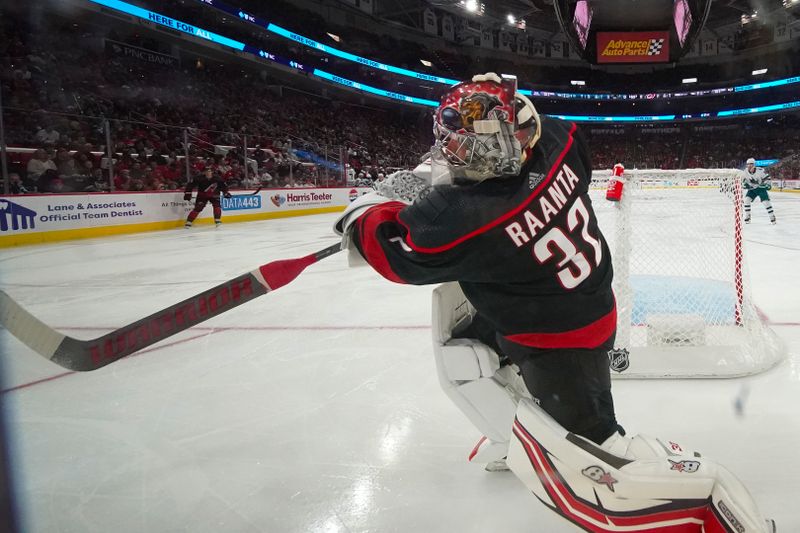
<point x="526" y="250"/>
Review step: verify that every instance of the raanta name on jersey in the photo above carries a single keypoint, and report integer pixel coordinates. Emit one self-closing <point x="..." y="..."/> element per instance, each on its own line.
<point x="547" y="205"/>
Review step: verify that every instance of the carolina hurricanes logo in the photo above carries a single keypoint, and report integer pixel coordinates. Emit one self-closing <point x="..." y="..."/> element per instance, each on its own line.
<point x="690" y="467"/>
<point x="598" y="475"/>
<point x="353" y="194"/>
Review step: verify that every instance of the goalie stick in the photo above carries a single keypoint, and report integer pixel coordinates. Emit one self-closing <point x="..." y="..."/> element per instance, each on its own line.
<point x="85" y="355"/>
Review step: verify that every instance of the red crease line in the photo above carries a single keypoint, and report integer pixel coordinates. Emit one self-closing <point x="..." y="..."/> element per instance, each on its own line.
<point x="258" y="328"/>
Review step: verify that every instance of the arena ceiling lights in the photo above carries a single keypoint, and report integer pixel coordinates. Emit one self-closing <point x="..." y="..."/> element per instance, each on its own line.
<point x="183" y="27"/>
<point x="320" y="47"/>
<point x="473" y="6"/>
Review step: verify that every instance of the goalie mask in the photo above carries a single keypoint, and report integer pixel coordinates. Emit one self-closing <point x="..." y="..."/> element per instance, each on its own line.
<point x="483" y="129"/>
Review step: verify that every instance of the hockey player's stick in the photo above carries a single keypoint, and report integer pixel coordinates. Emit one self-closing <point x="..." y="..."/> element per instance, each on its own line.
<point x="256" y="191"/>
<point x="80" y="355"/>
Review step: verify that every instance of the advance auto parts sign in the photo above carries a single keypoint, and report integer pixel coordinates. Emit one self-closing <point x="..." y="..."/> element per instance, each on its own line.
<point x="633" y="47"/>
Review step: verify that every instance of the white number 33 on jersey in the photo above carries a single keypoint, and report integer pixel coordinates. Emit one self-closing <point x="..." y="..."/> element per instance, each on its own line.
<point x="576" y="266"/>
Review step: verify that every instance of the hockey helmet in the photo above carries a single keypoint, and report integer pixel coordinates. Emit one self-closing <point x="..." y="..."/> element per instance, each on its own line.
<point x="484" y="129"/>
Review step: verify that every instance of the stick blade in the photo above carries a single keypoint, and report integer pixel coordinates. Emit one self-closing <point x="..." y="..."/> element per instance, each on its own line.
<point x="37" y="335"/>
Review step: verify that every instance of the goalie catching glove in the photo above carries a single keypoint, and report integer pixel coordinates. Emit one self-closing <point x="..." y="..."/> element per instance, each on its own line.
<point x="404" y="186"/>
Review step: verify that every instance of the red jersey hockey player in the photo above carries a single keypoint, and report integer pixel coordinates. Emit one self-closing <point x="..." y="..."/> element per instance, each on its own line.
<point x="509" y="229"/>
<point x="208" y="188"/>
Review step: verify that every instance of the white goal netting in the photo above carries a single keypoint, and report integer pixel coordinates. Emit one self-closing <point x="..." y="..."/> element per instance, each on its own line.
<point x="680" y="276"/>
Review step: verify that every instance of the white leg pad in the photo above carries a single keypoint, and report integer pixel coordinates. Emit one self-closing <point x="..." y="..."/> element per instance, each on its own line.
<point x="470" y="374"/>
<point x="628" y="484"/>
<point x="733" y="504"/>
<point x="467" y="359"/>
<point x="490" y="409"/>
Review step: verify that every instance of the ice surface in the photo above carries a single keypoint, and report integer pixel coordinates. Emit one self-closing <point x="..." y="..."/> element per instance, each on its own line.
<point x="316" y="408"/>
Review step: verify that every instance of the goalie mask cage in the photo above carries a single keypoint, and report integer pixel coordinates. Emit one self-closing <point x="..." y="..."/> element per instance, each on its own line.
<point x="680" y="277"/>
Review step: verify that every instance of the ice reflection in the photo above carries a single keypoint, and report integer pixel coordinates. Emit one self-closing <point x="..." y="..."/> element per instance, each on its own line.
<point x="394" y="439"/>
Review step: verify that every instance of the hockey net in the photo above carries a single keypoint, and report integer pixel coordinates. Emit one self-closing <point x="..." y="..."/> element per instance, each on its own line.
<point x="680" y="276"/>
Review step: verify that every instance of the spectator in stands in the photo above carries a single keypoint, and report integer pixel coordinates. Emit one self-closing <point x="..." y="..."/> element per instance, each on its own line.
<point x="125" y="161"/>
<point x="47" y="135"/>
<point x="137" y="185"/>
<point x="56" y="68"/>
<point x="15" y="185"/>
<point x="65" y="164"/>
<point x="122" y="181"/>
<point x="136" y="171"/>
<point x="83" y="153"/>
<point x="84" y="167"/>
<point x="99" y="183"/>
<point x="172" y="172"/>
<point x="283" y="169"/>
<point x="265" y="177"/>
<point x="39" y="163"/>
<point x="50" y="182"/>
<point x="250" y="182"/>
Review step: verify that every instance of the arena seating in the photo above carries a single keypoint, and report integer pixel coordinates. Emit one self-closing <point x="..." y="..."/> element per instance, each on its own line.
<point x="59" y="89"/>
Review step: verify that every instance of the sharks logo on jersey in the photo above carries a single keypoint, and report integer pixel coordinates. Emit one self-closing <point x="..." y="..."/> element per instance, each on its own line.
<point x="755" y="179"/>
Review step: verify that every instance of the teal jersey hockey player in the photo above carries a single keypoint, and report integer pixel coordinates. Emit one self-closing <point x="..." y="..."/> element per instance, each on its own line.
<point x="756" y="182"/>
